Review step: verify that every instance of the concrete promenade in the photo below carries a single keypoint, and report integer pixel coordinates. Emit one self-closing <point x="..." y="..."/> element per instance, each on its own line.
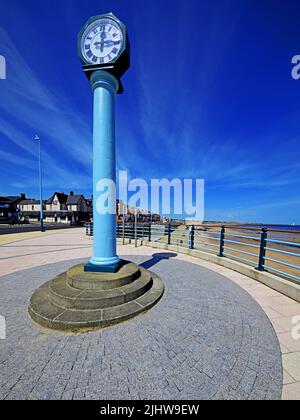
<point x="216" y="334"/>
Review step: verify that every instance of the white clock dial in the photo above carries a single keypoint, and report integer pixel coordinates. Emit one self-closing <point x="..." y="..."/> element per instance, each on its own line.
<point x="102" y="41"/>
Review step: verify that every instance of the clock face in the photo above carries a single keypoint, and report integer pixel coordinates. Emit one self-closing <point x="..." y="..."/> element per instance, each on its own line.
<point x="102" y="41"/>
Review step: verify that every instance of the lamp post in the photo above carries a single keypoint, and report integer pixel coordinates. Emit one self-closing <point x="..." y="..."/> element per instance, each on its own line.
<point x="37" y="138"/>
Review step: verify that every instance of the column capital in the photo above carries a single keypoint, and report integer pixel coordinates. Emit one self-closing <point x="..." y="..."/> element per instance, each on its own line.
<point x="101" y="78"/>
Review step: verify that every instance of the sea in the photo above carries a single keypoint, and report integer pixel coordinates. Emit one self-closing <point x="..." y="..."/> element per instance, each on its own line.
<point x="292" y="233"/>
<point x="291" y="228"/>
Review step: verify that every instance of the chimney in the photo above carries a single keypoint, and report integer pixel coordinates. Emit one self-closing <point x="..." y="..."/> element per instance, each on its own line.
<point x="23" y="196"/>
<point x="71" y="193"/>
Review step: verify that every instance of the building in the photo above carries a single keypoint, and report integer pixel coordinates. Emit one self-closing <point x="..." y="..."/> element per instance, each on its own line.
<point x="9" y="211"/>
<point x="81" y="208"/>
<point x="59" y="208"/>
<point x="67" y="208"/>
<point x="89" y="203"/>
<point x="128" y="213"/>
<point x="77" y="203"/>
<point x="57" y="202"/>
<point x="30" y="205"/>
<point x="30" y="209"/>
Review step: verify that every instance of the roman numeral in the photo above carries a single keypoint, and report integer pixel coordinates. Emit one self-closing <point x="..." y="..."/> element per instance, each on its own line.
<point x="87" y="46"/>
<point x="94" y="59"/>
<point x="115" y="50"/>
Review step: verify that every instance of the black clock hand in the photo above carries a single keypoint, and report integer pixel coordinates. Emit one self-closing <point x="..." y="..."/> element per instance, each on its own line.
<point x="108" y="43"/>
<point x="102" y="36"/>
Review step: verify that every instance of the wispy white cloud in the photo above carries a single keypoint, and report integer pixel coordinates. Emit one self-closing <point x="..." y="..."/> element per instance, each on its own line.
<point x="28" y="106"/>
<point x="29" y="102"/>
<point x="17" y="160"/>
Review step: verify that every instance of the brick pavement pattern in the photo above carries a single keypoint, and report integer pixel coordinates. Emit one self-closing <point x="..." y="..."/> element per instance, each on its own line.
<point x="206" y="339"/>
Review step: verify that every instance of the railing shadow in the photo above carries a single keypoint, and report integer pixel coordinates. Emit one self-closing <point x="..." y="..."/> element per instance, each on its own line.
<point x="156" y="258"/>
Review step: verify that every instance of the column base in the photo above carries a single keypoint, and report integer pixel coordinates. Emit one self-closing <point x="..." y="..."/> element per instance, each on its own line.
<point x="75" y="300"/>
<point x="112" y="267"/>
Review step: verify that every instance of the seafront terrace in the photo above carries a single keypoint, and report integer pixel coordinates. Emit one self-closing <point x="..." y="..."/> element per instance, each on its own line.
<point x="215" y="334"/>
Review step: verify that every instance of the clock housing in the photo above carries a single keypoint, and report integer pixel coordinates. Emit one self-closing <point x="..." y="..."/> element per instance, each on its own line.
<point x="117" y="62"/>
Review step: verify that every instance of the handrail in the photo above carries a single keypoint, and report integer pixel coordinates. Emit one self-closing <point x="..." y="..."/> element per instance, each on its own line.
<point x="242" y="236"/>
<point x="283" y="252"/>
<point x="243" y="227"/>
<point x="239" y="258"/>
<point x="205" y="248"/>
<point x="209" y="237"/>
<point x="219" y="242"/>
<point x="241" y="243"/>
<point x="284" y="242"/>
<point x="242" y="252"/>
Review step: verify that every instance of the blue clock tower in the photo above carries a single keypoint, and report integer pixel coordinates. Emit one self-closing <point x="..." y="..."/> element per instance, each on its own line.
<point x="106" y="290"/>
<point x="103" y="48"/>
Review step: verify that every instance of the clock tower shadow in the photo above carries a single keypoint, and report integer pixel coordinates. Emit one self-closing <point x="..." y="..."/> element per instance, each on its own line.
<point x="157" y="258"/>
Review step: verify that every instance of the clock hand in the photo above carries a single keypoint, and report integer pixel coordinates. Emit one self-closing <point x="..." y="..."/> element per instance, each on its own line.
<point x="107" y="43"/>
<point x="102" y="37"/>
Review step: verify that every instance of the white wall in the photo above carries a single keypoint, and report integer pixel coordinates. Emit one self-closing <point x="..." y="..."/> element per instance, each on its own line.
<point x="29" y="207"/>
<point x="55" y="207"/>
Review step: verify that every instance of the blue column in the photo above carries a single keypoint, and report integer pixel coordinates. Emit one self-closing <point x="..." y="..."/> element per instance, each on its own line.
<point x="105" y="87"/>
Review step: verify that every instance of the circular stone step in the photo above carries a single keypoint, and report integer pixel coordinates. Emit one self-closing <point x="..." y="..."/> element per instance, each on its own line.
<point x="57" y="305"/>
<point x="67" y="297"/>
<point x="78" y="278"/>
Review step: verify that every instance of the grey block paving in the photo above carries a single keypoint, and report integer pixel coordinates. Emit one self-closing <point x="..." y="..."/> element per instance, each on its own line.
<point x="206" y="339"/>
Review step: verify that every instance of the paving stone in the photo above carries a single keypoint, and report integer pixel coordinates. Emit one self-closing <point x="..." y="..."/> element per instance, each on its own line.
<point x="291" y="363"/>
<point x="206" y="339"/>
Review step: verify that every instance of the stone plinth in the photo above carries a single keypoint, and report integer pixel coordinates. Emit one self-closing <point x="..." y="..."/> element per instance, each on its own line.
<point x="77" y="299"/>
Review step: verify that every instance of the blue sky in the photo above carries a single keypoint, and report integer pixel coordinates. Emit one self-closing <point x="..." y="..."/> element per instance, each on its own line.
<point x="209" y="95"/>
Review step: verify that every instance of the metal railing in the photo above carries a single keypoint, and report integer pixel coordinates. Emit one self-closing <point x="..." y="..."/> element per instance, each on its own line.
<point x="272" y="250"/>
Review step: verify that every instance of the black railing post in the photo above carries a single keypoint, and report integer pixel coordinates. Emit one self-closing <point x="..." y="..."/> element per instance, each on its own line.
<point x="192" y="237"/>
<point x="149" y="238"/>
<point x="135" y="232"/>
<point x="123" y="230"/>
<point x="262" y="252"/>
<point x="132" y="230"/>
<point x="169" y="234"/>
<point x="222" y="242"/>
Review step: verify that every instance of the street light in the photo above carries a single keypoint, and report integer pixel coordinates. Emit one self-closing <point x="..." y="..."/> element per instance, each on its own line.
<point x="41" y="183"/>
